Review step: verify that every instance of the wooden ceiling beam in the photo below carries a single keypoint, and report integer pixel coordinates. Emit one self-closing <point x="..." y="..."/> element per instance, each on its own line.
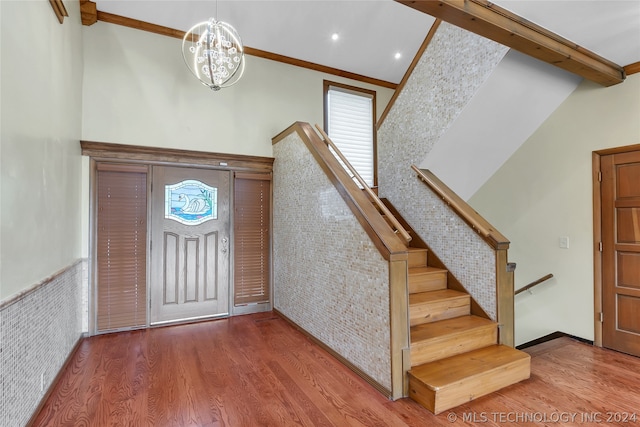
<point x="88" y="12"/>
<point x="632" y="68"/>
<point x="500" y="25"/>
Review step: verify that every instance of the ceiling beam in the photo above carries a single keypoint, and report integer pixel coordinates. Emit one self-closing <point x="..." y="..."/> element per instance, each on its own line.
<point x="88" y="12"/>
<point x="500" y="25"/>
<point x="632" y="68"/>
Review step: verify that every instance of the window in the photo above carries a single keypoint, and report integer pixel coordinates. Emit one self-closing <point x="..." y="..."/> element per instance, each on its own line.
<point x="190" y="202"/>
<point x="349" y="117"/>
<point x="252" y="224"/>
<point x="121" y="247"/>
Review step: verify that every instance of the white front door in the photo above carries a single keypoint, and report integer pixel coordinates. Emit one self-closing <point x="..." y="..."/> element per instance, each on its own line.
<point x="190" y="244"/>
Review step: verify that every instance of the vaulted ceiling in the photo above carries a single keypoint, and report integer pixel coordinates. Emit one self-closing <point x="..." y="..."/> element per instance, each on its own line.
<point x="371" y="32"/>
<point x="377" y="40"/>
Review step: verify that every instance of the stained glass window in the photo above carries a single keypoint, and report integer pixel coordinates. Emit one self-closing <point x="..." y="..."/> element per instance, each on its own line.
<point x="190" y="202"/>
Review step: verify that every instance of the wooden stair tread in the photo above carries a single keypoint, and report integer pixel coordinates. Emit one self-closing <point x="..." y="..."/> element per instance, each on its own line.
<point x="413" y="249"/>
<point x="431" y="296"/>
<point x="425" y="270"/>
<point x="417" y="257"/>
<point x="448" y="382"/>
<point x="437" y="305"/>
<point x="450" y="371"/>
<point x="423" y="278"/>
<point x="445" y="338"/>
<point x="449" y="327"/>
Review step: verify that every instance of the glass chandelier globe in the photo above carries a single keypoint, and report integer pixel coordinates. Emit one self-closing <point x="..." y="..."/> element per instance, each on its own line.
<point x="214" y="54"/>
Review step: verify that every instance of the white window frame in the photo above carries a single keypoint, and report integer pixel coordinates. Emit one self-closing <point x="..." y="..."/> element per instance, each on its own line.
<point x="354" y="135"/>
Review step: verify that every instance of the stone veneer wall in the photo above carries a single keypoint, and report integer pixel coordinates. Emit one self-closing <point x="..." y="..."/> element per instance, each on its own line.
<point x="329" y="278"/>
<point x="38" y="330"/>
<point x="453" y="67"/>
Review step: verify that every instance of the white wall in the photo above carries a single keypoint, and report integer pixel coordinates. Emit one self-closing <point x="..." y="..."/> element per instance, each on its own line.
<point x="544" y="191"/>
<point x="137" y="90"/>
<point x="511" y="104"/>
<point x="40" y="102"/>
<point x="40" y="171"/>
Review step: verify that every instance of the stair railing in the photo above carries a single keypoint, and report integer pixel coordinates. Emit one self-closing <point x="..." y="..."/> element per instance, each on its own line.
<point x="395" y="224"/>
<point x="534" y="283"/>
<point x="497" y="241"/>
<point x="459" y="206"/>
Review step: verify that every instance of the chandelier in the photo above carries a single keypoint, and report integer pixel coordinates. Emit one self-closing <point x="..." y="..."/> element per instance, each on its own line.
<point x="214" y="54"/>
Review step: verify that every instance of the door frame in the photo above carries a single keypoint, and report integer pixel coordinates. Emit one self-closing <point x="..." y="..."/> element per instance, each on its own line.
<point x="597" y="235"/>
<point x="99" y="152"/>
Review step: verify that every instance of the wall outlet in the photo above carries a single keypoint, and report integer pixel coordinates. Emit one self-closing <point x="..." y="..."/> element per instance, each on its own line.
<point x="564" y="242"/>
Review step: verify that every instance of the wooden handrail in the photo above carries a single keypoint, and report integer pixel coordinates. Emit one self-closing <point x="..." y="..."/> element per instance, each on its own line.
<point x="398" y="228"/>
<point x="534" y="283"/>
<point x="499" y="243"/>
<point x="462" y="209"/>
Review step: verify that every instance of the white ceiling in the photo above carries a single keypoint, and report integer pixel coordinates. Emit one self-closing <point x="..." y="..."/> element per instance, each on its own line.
<point x="372" y="31"/>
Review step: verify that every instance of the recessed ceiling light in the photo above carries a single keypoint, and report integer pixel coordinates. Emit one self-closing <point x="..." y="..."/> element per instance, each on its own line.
<point x="335" y="36"/>
<point x="398" y="55"/>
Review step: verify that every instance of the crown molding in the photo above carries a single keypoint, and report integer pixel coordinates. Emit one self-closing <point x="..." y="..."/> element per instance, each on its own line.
<point x="172" y="32"/>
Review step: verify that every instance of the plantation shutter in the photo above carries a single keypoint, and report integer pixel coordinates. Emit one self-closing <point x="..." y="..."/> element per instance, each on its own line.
<point x="252" y="272"/>
<point x="121" y="247"/>
<point x="350" y="126"/>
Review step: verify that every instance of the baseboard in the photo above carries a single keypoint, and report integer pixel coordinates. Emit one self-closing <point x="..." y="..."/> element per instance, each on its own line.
<point x="375" y="384"/>
<point x="550" y="337"/>
<point x="55" y="381"/>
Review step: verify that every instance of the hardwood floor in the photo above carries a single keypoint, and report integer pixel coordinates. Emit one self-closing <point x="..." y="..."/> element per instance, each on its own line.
<point x="257" y="370"/>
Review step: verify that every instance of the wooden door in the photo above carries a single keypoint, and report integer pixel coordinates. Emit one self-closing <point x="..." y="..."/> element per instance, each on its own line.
<point x="621" y="251"/>
<point x="190" y="244"/>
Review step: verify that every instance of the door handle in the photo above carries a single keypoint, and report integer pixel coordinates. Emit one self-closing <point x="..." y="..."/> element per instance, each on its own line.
<point x="224" y="245"/>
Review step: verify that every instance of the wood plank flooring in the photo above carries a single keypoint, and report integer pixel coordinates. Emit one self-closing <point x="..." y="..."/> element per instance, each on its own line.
<point x="258" y="370"/>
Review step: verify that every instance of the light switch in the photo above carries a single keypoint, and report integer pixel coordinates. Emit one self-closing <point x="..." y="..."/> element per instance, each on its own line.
<point x="564" y="242"/>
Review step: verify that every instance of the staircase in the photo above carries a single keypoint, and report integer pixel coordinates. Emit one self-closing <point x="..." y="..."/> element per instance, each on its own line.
<point x="455" y="355"/>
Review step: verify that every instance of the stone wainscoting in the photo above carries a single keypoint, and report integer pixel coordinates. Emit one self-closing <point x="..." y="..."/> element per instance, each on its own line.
<point x="38" y="330"/>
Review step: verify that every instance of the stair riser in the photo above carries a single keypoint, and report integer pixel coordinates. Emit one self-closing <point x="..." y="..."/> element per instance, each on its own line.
<point x="439" y="310"/>
<point x="457" y="394"/>
<point x="449" y="345"/>
<point x="417" y="259"/>
<point x="427" y="282"/>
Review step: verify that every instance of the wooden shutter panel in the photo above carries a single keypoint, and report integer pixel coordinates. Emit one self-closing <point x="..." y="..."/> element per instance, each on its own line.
<point x="121" y="248"/>
<point x="252" y="271"/>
